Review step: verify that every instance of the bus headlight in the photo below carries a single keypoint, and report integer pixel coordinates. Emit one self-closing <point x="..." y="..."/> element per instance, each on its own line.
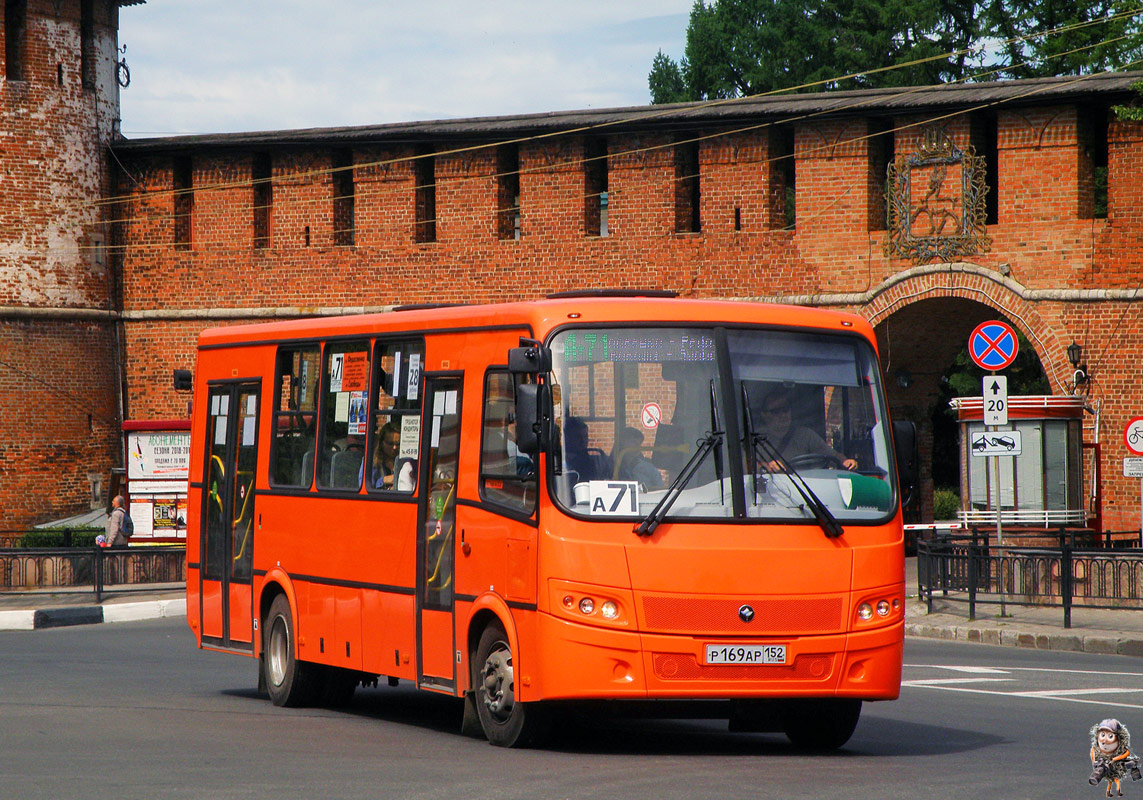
<point x="591" y="605"/>
<point x="886" y="606"/>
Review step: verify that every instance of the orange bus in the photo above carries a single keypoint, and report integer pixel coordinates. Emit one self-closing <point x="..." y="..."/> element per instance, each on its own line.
<point x="593" y="497"/>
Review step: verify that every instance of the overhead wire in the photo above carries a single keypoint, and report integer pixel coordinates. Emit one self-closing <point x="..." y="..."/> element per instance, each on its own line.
<point x="644" y="115"/>
<point x="674" y="143"/>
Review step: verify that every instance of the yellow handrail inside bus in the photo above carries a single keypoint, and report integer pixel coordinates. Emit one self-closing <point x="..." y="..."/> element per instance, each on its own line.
<point x="440" y="559"/>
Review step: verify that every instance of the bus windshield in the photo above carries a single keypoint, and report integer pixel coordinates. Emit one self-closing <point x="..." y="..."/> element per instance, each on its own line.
<point x="635" y="404"/>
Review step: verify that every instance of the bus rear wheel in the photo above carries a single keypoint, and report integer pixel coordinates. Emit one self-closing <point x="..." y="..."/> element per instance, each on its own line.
<point x="289" y="682"/>
<point x="824" y="724"/>
<point x="506" y="721"/>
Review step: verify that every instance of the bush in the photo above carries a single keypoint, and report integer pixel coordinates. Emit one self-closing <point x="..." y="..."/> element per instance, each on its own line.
<point x="946" y="503"/>
<point x="56" y="537"/>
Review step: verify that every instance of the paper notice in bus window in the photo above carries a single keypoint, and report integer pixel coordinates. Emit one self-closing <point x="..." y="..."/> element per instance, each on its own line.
<point x="248" y="429"/>
<point x="224" y="404"/>
<point x="355" y="372"/>
<point x="414" y="376"/>
<point x="396" y="375"/>
<point x="358" y="411"/>
<point x="435" y="441"/>
<point x="336" y="370"/>
<point x="439" y="403"/>
<point x="214" y="405"/>
<point x="251" y="405"/>
<point x="220" y="430"/>
<point x="341" y="407"/>
<point x="450" y="402"/>
<point x="410" y="437"/>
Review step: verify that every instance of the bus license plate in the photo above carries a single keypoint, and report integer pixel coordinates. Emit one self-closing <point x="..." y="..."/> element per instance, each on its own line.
<point x="746" y="654"/>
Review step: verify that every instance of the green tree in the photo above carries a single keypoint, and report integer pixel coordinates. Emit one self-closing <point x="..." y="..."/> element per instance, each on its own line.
<point x="1035" y="46"/>
<point x="736" y="48"/>
<point x="666" y="80"/>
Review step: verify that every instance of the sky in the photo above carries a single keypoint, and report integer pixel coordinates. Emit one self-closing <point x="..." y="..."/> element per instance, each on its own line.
<point x="220" y="66"/>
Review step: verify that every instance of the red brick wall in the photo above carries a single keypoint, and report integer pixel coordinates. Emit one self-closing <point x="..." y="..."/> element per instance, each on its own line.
<point x="58" y="362"/>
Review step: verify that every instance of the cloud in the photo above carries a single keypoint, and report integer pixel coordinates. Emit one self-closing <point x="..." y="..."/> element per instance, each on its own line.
<point x="212" y="66"/>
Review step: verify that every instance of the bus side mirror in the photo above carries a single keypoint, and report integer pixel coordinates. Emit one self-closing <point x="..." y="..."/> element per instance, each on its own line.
<point x="183" y="380"/>
<point x="531" y="358"/>
<point x="533" y="417"/>
<point x="908" y="458"/>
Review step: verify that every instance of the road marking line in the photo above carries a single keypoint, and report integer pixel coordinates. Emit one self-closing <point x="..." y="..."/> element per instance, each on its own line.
<point x="942" y="688"/>
<point x="1027" y="669"/>
<point x="1062" y="693"/>
<point x="983" y="670"/>
<point x="947" y="681"/>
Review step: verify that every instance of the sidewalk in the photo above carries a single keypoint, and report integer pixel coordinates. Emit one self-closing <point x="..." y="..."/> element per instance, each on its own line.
<point x="28" y="611"/>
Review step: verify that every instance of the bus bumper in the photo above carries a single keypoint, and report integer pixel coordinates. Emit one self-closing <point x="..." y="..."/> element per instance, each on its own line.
<point x="580" y="661"/>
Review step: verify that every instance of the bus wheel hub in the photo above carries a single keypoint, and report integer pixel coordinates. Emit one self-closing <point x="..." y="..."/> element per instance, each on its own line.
<point x="498" y="683"/>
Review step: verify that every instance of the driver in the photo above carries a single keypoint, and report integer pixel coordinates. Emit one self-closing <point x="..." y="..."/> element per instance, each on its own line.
<point x="794" y="441"/>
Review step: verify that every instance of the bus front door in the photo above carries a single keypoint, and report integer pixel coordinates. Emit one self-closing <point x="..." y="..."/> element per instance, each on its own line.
<point x="436" y="543"/>
<point x="228" y="513"/>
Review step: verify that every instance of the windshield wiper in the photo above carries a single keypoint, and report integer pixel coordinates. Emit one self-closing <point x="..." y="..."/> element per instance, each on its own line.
<point x="711" y="443"/>
<point x="705" y="446"/>
<point x="758" y="441"/>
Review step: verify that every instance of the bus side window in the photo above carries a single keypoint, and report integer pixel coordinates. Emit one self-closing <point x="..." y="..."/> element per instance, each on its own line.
<point x="395" y="417"/>
<point x="295" y="417"/>
<point x="344" y="415"/>
<point x="507" y="476"/>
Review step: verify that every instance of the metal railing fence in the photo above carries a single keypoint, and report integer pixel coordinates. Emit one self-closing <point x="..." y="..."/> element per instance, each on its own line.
<point x="42" y="570"/>
<point x="972" y="569"/>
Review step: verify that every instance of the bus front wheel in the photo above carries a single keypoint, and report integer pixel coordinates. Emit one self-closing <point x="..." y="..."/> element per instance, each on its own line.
<point x="820" y="724"/>
<point x="506" y="721"/>
<point x="288" y="681"/>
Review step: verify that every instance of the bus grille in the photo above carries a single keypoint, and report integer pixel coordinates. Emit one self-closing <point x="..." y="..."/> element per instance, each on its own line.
<point x="685" y="667"/>
<point x="772" y="617"/>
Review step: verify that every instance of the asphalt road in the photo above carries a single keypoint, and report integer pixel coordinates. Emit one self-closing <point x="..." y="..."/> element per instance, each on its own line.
<point x="135" y="711"/>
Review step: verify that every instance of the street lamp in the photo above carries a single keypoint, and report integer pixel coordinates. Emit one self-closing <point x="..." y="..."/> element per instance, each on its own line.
<point x="1075" y="358"/>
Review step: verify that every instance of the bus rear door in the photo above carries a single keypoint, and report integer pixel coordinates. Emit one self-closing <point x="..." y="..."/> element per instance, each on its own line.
<point x="436" y="542"/>
<point x="228" y="510"/>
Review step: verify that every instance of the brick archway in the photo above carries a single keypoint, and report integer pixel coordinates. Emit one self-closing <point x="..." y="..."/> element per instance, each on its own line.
<point x="924" y="318"/>
<point x="984" y="287"/>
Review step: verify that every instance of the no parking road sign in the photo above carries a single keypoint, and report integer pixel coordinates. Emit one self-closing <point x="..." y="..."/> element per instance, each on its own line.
<point x="993" y="345"/>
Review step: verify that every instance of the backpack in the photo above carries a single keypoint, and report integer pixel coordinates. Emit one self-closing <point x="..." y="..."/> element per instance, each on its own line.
<point x="127" y="526"/>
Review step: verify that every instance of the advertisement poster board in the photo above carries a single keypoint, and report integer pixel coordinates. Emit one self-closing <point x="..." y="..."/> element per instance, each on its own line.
<point x="158" y="462"/>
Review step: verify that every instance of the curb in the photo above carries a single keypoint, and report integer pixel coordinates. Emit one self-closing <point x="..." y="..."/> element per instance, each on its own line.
<point x="1101" y="643"/>
<point x="66" y="616"/>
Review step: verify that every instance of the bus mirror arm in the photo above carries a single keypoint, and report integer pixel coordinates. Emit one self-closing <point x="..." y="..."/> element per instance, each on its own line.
<point x="530" y="358"/>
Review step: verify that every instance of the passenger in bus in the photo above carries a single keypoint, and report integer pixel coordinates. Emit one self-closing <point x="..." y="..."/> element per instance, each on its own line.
<point x="386" y="470"/>
<point x="578" y="457"/>
<point x="631" y="464"/>
<point x="796" y="442"/>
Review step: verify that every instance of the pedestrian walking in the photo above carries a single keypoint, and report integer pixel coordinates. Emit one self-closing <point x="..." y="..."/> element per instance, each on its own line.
<point x="114" y="531"/>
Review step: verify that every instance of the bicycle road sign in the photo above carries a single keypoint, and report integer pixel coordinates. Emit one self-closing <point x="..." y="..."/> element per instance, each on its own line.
<point x="1133" y="435"/>
<point x="993" y="345"/>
